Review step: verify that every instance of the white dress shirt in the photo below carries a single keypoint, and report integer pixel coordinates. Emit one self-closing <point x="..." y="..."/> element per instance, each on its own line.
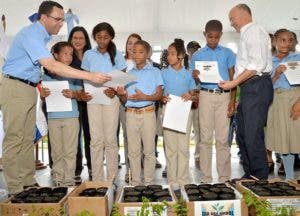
<point x="254" y="50"/>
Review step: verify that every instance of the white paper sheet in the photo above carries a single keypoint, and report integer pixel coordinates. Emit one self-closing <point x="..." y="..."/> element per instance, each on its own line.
<point x="177" y="114"/>
<point x="56" y="102"/>
<point x="292" y="72"/>
<point x="97" y="92"/>
<point x="119" y="78"/>
<point x="209" y="71"/>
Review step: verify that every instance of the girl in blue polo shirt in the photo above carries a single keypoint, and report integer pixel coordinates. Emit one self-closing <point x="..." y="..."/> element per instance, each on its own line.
<point x="63" y="126"/>
<point x="177" y="81"/>
<point x="103" y="119"/>
<point x="140" y="96"/>
<point x="282" y="129"/>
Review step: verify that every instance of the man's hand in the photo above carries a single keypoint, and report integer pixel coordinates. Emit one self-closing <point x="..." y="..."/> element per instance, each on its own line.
<point x="295" y="110"/>
<point x="99" y="77"/>
<point x="226" y="85"/>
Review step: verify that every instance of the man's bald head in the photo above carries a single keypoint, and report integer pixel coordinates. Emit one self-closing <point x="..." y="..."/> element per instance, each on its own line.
<point x="239" y="16"/>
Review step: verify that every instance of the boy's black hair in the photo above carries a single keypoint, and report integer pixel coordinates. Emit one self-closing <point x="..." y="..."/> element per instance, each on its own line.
<point x="178" y="44"/>
<point x="145" y="44"/>
<point x="213" y="25"/>
<point x="111" y="49"/>
<point x="86" y="36"/>
<point x="46" y="8"/>
<point x="193" y="45"/>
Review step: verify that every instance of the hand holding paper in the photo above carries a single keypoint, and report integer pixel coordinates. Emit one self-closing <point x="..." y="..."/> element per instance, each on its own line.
<point x="119" y="78"/>
<point x="209" y="71"/>
<point x="56" y="102"/>
<point x="176" y="114"/>
<point x="292" y="72"/>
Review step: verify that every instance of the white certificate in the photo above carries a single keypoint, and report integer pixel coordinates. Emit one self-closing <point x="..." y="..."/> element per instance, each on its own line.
<point x="292" y="72"/>
<point x="177" y="114"/>
<point x="119" y="78"/>
<point x="56" y="102"/>
<point x="209" y="71"/>
<point x="97" y="93"/>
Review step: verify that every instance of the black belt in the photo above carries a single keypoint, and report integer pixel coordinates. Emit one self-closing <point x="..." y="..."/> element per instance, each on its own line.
<point x="21" y="80"/>
<point x="216" y="91"/>
<point x="141" y="107"/>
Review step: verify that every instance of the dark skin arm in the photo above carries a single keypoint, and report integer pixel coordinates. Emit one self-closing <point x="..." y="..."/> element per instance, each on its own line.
<point x="231" y="104"/>
<point x="139" y="95"/>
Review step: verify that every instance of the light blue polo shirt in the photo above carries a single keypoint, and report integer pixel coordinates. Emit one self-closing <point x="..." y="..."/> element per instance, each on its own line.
<point x="177" y="82"/>
<point x="94" y="61"/>
<point x="74" y="85"/>
<point x="28" y="47"/>
<point x="224" y="56"/>
<point x="148" y="79"/>
<point x="282" y="82"/>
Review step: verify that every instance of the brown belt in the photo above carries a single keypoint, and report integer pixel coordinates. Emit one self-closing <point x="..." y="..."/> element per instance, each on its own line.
<point x="147" y="109"/>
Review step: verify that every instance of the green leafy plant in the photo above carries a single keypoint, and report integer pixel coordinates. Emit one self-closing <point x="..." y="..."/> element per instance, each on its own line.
<point x="263" y="207"/>
<point x="85" y="213"/>
<point x="180" y="208"/>
<point x="115" y="211"/>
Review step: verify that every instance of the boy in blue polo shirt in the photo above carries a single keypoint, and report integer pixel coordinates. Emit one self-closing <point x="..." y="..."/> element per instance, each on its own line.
<point x="215" y="104"/>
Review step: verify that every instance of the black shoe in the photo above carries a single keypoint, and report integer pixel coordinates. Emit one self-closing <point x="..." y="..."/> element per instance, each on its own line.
<point x="33" y="185"/>
<point x="271" y="167"/>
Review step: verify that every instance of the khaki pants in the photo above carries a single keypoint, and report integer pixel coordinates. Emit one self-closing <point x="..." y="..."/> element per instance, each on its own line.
<point x="18" y="104"/>
<point x="213" y="120"/>
<point x="196" y="127"/>
<point x="177" y="155"/>
<point x="141" y="127"/>
<point x="64" y="139"/>
<point x="103" y="122"/>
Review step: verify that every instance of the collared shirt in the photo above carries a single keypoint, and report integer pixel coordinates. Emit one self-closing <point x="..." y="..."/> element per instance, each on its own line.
<point x="254" y="50"/>
<point x="177" y="82"/>
<point x="148" y="79"/>
<point x="74" y="85"/>
<point x="94" y="61"/>
<point x="224" y="56"/>
<point x="28" y="47"/>
<point x="282" y="82"/>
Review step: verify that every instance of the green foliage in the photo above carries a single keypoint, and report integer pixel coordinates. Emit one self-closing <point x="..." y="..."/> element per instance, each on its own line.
<point x="115" y="211"/>
<point x="85" y="213"/>
<point x="180" y="208"/>
<point x="263" y="207"/>
<point x="285" y="211"/>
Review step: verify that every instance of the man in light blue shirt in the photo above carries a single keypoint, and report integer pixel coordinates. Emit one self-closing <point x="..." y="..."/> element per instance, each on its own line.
<point x="21" y="73"/>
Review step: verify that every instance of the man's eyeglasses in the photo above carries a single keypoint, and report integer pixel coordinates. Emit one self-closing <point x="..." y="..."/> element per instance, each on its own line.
<point x="57" y="19"/>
